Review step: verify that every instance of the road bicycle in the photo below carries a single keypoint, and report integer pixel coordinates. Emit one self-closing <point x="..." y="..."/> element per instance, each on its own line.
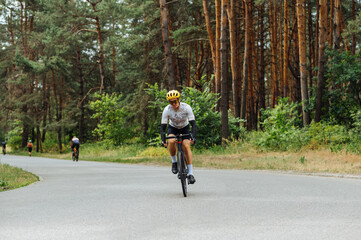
<point x="75" y="154"/>
<point x="181" y="161"/>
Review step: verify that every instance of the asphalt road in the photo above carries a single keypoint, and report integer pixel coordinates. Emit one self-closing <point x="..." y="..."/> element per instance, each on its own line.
<point x="91" y="200"/>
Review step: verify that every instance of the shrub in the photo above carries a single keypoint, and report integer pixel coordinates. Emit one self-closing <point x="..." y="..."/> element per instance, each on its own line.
<point x="112" y="123"/>
<point x="15" y="142"/>
<point x="281" y="127"/>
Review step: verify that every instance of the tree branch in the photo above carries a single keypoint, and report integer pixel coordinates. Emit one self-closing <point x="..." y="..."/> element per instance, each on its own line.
<point x="86" y="30"/>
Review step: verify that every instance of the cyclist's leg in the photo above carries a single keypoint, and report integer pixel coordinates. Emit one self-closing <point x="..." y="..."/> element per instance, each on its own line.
<point x="172" y="148"/>
<point x="188" y="154"/>
<point x="187" y="144"/>
<point x="77" y="148"/>
<point x="187" y="151"/>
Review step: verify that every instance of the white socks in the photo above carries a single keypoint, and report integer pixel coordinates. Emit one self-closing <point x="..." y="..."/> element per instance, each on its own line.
<point x="190" y="170"/>
<point x="190" y="167"/>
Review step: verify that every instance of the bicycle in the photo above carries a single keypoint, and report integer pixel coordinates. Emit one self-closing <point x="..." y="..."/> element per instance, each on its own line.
<point x="75" y="154"/>
<point x="181" y="162"/>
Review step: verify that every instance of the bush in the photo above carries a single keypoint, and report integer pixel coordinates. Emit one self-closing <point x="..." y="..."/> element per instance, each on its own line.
<point x="324" y="134"/>
<point x="112" y="124"/>
<point x="281" y="128"/>
<point x="15" y="142"/>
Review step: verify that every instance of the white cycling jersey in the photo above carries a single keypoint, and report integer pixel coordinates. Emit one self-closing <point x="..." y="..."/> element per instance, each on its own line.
<point x="178" y="118"/>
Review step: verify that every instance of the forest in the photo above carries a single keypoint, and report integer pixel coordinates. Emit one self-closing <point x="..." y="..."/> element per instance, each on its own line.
<point x="99" y="69"/>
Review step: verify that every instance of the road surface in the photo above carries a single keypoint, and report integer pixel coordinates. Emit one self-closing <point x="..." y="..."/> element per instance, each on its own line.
<point x="94" y="200"/>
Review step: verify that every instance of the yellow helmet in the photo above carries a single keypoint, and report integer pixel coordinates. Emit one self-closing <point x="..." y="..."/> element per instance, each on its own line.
<point x="173" y="94"/>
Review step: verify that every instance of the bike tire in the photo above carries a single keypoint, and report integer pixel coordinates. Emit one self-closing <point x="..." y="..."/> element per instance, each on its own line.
<point x="183" y="174"/>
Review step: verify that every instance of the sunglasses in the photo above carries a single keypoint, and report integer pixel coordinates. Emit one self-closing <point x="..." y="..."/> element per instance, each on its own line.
<point x="173" y="102"/>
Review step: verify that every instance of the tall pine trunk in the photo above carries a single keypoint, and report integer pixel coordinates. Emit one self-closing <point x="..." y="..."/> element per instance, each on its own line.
<point x="301" y="20"/>
<point x="273" y="26"/>
<point x="321" y="59"/>
<point x="234" y="57"/>
<point x="224" y="74"/>
<point x="167" y="46"/>
<point x="286" y="25"/>
<point x="247" y="60"/>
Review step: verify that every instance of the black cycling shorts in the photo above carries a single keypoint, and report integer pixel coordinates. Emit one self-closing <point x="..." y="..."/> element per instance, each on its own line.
<point x="76" y="145"/>
<point x="176" y="131"/>
<point x="30" y="149"/>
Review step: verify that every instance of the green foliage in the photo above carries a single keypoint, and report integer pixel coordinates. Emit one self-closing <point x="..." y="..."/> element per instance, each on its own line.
<point x="3" y="183"/>
<point x="111" y="118"/>
<point x="344" y="87"/>
<point x="321" y="134"/>
<point x="282" y="132"/>
<point x="15" y="142"/>
<point x="355" y="136"/>
<point x="280" y="126"/>
<point x="353" y="28"/>
<point x="282" y="117"/>
<point x="207" y="118"/>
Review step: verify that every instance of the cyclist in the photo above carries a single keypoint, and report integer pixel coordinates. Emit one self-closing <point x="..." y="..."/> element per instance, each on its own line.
<point x="179" y="115"/>
<point x="30" y="147"/>
<point x="75" y="143"/>
<point x="3" y="143"/>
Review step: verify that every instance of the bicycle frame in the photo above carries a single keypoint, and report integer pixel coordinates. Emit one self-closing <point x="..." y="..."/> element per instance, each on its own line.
<point x="182" y="163"/>
<point x="75" y="154"/>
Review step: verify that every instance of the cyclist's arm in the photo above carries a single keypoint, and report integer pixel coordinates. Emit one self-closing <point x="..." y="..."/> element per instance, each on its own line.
<point x="194" y="128"/>
<point x="162" y="132"/>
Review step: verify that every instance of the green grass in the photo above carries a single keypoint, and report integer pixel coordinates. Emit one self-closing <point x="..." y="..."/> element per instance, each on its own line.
<point x="13" y="177"/>
<point x="238" y="155"/>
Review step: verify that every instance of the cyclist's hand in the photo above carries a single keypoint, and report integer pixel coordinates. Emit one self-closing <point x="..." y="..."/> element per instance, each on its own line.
<point x="193" y="140"/>
<point x="164" y="144"/>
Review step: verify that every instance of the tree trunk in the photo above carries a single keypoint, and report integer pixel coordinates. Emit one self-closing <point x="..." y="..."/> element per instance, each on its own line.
<point x="286" y="26"/>
<point x="337" y="25"/>
<point x="224" y="75"/>
<point x="311" y="47"/>
<point x="218" y="48"/>
<point x="254" y="74"/>
<point x="100" y="42"/>
<point x="58" y="110"/>
<point x="234" y="58"/>
<point x="330" y="22"/>
<point x="210" y="32"/>
<point x="167" y="47"/>
<point x="273" y="26"/>
<point x="295" y="67"/>
<point x="301" y="20"/>
<point x="321" y="59"/>
<point x="81" y="93"/>
<point x="353" y="45"/>
<point x="262" y="71"/>
<point x="247" y="60"/>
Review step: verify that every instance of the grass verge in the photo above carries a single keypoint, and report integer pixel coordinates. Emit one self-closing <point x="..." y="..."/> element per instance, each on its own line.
<point x="13" y="177"/>
<point x="235" y="156"/>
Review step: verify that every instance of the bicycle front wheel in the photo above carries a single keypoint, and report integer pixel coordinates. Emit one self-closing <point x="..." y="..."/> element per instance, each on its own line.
<point x="184" y="186"/>
<point x="183" y="173"/>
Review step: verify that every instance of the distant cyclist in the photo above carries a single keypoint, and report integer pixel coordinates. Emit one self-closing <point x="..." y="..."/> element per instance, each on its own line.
<point x="3" y="143"/>
<point x="30" y="147"/>
<point x="75" y="143"/>
<point x="179" y="115"/>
